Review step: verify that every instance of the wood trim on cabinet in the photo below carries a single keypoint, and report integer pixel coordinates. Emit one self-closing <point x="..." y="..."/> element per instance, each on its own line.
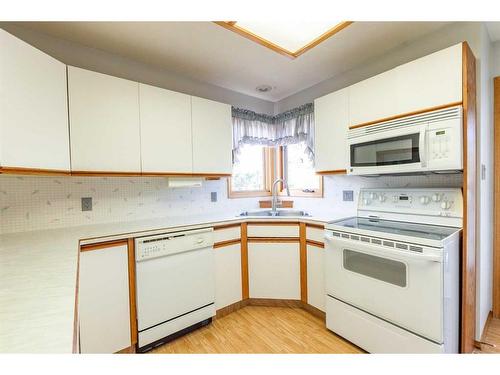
<point x="335" y="171"/>
<point x="227" y="226"/>
<point x="270" y="223"/>
<point x="274" y="302"/>
<point x="34" y="171"/>
<point x="496" y="210"/>
<point x="273" y="239"/>
<point x="468" y="261"/>
<point x="245" y="283"/>
<point x="146" y="174"/>
<point x="303" y="263"/>
<point x="316" y="243"/>
<point x="226" y="310"/>
<point x="226" y="243"/>
<point x="103" y="245"/>
<point x="76" y="326"/>
<point x="413" y="113"/>
<point x="233" y="26"/>
<point x="131" y="291"/>
<point x="317" y="226"/>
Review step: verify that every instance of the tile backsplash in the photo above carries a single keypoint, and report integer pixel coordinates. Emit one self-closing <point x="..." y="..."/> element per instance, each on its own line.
<point x="32" y="202"/>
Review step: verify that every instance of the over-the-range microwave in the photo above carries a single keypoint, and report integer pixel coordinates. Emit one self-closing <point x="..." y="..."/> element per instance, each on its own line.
<point x="423" y="143"/>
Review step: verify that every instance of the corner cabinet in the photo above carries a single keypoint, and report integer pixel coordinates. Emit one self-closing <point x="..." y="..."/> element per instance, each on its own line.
<point x="331" y="117"/>
<point x="33" y="108"/>
<point x="212" y="137"/>
<point x="104" y="122"/>
<point x="166" y="137"/>
<point x="104" y="298"/>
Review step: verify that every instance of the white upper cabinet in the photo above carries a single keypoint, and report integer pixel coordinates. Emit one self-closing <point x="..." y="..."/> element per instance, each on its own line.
<point x="430" y="81"/>
<point x="33" y="108"/>
<point x="212" y="136"/>
<point x="166" y="142"/>
<point x="374" y="98"/>
<point x="104" y="122"/>
<point x="331" y="117"/>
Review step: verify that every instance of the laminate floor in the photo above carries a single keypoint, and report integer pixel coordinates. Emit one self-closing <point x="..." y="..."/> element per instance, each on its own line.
<point x="491" y="338"/>
<point x="262" y="329"/>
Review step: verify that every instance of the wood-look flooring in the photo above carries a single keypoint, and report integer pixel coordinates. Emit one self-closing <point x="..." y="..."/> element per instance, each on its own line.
<point x="262" y="329"/>
<point x="491" y="338"/>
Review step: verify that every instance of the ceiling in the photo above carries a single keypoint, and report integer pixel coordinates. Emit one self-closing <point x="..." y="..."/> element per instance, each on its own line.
<point x="208" y="52"/>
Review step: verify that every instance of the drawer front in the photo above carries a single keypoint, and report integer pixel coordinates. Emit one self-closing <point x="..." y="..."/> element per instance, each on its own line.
<point x="273" y="230"/>
<point x="227" y="234"/>
<point x="315" y="234"/>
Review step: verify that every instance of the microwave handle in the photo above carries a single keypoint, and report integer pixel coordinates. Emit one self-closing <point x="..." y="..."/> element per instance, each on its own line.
<point x="422" y="146"/>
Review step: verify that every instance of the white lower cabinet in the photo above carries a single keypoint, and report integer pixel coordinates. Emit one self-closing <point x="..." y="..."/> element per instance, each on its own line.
<point x="274" y="270"/>
<point x="103" y="300"/>
<point x="315" y="277"/>
<point x="227" y="275"/>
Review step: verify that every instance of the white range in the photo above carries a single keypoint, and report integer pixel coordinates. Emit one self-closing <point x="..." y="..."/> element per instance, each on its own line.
<point x="392" y="272"/>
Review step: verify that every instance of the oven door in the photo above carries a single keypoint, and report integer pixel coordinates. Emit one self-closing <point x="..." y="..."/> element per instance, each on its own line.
<point x="389" y="152"/>
<point x="401" y="287"/>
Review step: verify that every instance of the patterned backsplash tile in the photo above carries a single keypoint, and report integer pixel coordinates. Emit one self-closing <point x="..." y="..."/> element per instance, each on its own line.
<point x="32" y="202"/>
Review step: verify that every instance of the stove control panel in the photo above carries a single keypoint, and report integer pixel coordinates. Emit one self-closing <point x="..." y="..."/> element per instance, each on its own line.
<point x="445" y="202"/>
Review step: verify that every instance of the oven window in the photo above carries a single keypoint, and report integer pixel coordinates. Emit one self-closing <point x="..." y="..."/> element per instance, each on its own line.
<point x="387" y="151"/>
<point x="382" y="269"/>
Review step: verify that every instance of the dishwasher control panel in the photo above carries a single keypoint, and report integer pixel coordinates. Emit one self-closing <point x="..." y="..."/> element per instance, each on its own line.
<point x="172" y="243"/>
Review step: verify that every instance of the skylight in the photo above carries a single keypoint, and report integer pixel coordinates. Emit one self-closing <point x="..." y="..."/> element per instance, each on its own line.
<point x="290" y="38"/>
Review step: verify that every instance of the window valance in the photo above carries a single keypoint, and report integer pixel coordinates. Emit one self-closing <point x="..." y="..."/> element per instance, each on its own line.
<point x="290" y="127"/>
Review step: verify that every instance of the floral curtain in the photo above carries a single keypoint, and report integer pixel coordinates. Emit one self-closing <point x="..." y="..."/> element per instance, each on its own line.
<point x="290" y="127"/>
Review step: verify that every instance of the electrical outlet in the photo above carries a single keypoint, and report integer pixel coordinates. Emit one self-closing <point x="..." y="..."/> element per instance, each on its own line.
<point x="87" y="204"/>
<point x="348" y="195"/>
<point x="213" y="196"/>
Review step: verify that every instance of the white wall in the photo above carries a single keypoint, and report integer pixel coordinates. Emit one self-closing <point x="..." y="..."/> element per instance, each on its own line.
<point x="108" y="63"/>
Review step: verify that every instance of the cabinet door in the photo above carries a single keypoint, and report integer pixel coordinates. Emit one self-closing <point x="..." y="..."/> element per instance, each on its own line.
<point x="165" y="130"/>
<point x="227" y="275"/>
<point x="104" y="122"/>
<point x="212" y="137"/>
<point x="33" y="107"/>
<point x="430" y="81"/>
<point x="274" y="270"/>
<point x="374" y="98"/>
<point x="331" y="116"/>
<point x="103" y="299"/>
<point x="315" y="277"/>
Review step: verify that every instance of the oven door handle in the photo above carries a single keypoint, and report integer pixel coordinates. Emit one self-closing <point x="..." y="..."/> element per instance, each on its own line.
<point x="384" y="252"/>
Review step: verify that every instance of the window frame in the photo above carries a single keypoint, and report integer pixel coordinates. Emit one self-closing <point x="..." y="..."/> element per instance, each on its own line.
<point x="274" y="168"/>
<point x="269" y="176"/>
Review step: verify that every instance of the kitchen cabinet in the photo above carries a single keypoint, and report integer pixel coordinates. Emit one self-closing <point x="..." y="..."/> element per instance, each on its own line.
<point x="315" y="277"/>
<point x="331" y="116"/>
<point x="103" y="299"/>
<point x="165" y="117"/>
<point x="104" y="122"/>
<point x="33" y="108"/>
<point x="274" y="270"/>
<point x="212" y="136"/>
<point x="227" y="275"/>
<point x="274" y="230"/>
<point x="431" y="81"/>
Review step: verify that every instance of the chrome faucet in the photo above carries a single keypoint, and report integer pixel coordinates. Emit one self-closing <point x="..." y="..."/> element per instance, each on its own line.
<point x="274" y="201"/>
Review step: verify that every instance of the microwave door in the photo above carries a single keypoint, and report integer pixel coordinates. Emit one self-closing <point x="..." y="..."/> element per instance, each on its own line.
<point x="389" y="154"/>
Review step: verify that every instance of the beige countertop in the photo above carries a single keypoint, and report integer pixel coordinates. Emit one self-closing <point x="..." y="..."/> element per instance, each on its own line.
<point x="38" y="273"/>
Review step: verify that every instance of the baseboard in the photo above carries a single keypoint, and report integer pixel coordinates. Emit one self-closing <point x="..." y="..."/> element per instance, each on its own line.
<point x="270" y="302"/>
<point x="478" y="344"/>
<point x="129" y="350"/>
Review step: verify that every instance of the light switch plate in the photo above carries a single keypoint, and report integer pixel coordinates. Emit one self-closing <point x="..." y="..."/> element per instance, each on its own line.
<point x="87" y="204"/>
<point x="213" y="196"/>
<point x="348" y="195"/>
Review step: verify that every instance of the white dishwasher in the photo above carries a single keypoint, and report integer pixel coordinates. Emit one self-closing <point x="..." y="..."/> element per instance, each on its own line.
<point x="175" y="285"/>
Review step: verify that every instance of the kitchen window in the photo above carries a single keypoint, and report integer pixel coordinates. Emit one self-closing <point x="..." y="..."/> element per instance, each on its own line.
<point x="258" y="166"/>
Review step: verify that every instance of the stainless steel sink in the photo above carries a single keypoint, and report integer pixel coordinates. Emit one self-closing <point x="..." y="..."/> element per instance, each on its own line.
<point x="275" y="213"/>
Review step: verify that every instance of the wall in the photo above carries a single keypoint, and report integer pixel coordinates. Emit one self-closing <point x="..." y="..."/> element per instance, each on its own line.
<point x="33" y="203"/>
<point x="108" y="63"/>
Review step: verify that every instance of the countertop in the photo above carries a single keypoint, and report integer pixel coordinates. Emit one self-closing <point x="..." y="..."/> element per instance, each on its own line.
<point x="38" y="274"/>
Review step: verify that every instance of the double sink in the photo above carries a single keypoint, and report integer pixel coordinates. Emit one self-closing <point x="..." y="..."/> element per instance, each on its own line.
<point x="275" y="213"/>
